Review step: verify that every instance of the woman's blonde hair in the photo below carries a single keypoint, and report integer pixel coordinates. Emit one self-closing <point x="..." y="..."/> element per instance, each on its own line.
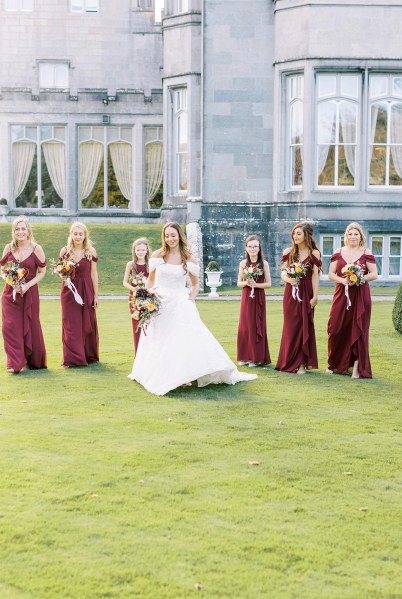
<point x="184" y="247"/>
<point x="87" y="245"/>
<point x="141" y="241"/>
<point x="14" y="241"/>
<point x="358" y="227"/>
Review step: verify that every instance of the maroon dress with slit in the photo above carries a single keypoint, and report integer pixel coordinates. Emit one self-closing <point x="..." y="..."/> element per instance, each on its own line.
<point x="79" y="326"/>
<point x="348" y="330"/>
<point x="22" y="332"/>
<point x="252" y="341"/>
<point x="298" y="345"/>
<point x="136" y="334"/>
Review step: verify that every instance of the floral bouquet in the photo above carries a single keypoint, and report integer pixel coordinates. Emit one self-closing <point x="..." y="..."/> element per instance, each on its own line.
<point x="145" y="306"/>
<point x="65" y="268"/>
<point x="14" y="275"/>
<point x="354" y="274"/>
<point x="138" y="279"/>
<point x="252" y="272"/>
<point x="296" y="270"/>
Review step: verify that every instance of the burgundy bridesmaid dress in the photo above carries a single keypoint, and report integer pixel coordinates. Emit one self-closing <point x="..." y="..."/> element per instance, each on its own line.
<point x="137" y="334"/>
<point x="348" y="330"/>
<point x="22" y="332"/>
<point x="252" y="341"/>
<point x="79" y="325"/>
<point x="298" y="345"/>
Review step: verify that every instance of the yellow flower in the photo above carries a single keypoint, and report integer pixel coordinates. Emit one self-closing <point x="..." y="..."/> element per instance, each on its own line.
<point x="353" y="278"/>
<point x="67" y="268"/>
<point x="151" y="307"/>
<point x="9" y="280"/>
<point x="20" y="273"/>
<point x="298" y="269"/>
<point x="135" y="315"/>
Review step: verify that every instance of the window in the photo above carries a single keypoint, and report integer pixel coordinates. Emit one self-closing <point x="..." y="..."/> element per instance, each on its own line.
<point x="174" y="7"/>
<point x="329" y="243"/>
<point x="385" y="149"/>
<point x="387" y="250"/>
<point x="21" y="5"/>
<point x="105" y="167"/>
<point x="53" y="75"/>
<point x="295" y="93"/>
<point x="337" y="125"/>
<point x="39" y="166"/>
<point x="84" y="5"/>
<point x="159" y="6"/>
<point x="180" y="140"/>
<point x="154" y="167"/>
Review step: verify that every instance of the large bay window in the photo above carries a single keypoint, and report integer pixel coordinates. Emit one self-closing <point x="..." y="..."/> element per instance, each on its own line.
<point x="180" y="140"/>
<point x="295" y="93"/>
<point x="153" y="167"/>
<point x="337" y="127"/>
<point x="105" y="167"/>
<point x="385" y="130"/>
<point x="39" y="166"/>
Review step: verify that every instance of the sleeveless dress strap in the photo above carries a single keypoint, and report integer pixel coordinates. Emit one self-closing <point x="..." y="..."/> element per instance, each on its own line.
<point x="370" y="258"/>
<point x="285" y="258"/>
<point x="336" y="256"/>
<point x="95" y="259"/>
<point x="6" y="258"/>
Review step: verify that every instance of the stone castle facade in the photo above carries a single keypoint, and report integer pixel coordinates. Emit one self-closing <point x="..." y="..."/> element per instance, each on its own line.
<point x="242" y="116"/>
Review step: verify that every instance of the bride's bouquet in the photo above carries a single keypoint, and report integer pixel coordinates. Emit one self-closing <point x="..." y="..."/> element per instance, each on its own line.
<point x="145" y="306"/>
<point x="296" y="271"/>
<point x="65" y="268"/>
<point x="14" y="275"/>
<point x="252" y="272"/>
<point x="354" y="274"/>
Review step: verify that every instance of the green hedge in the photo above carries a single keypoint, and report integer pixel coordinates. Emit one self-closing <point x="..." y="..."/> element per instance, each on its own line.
<point x="397" y="311"/>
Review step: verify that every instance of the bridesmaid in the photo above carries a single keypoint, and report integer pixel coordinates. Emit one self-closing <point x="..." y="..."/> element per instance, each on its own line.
<point x="298" y="350"/>
<point x="22" y="332"/>
<point x="348" y="329"/>
<point x="79" y="325"/>
<point x="137" y="266"/>
<point x="252" y="342"/>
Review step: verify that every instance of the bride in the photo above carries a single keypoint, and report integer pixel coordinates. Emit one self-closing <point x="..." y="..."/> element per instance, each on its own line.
<point x="177" y="347"/>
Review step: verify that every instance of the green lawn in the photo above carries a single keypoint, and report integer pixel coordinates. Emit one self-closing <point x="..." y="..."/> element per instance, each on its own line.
<point x="110" y="492"/>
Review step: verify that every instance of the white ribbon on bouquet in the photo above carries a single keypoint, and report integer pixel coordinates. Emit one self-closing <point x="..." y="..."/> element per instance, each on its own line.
<point x="348" y="302"/>
<point x="295" y="292"/>
<point x="74" y="291"/>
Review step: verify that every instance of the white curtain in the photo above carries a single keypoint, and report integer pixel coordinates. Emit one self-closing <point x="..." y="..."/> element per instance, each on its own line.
<point x="121" y="155"/>
<point x="154" y="169"/>
<point x="23" y="156"/>
<point x="90" y="160"/>
<point x="347" y="113"/>
<point x="55" y="157"/>
<point x="396" y="137"/>
<point x="326" y="132"/>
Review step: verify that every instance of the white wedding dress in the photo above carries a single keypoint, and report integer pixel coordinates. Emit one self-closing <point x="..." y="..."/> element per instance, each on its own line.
<point x="177" y="347"/>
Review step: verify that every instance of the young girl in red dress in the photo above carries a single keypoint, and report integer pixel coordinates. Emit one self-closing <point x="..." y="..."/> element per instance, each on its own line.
<point x="137" y="267"/>
<point x="349" y="320"/>
<point x="252" y="342"/>
<point x="22" y="333"/>
<point x="298" y="350"/>
<point x="79" y="325"/>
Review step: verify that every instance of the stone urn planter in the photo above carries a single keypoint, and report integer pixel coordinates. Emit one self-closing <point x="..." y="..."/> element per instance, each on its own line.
<point x="4" y="209"/>
<point x="213" y="274"/>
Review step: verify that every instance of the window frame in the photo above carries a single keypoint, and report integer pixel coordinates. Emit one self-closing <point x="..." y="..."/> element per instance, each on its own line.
<point x="386" y="255"/>
<point x="20" y="7"/>
<point x="176" y="154"/>
<point x="84" y="8"/>
<point x="337" y="242"/>
<point x="54" y="64"/>
<point x="39" y="141"/>
<point x="158" y="139"/>
<point x="338" y="98"/>
<point x="290" y="102"/>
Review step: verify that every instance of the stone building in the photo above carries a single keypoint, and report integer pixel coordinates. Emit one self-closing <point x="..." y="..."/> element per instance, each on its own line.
<point x="238" y="115"/>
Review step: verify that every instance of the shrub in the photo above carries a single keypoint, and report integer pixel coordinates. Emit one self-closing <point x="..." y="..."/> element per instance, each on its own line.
<point x="213" y="266"/>
<point x="397" y="311"/>
<point x="3" y="202"/>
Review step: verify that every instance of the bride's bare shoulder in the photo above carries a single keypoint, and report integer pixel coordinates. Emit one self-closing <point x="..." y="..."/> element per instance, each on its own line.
<point x="157" y="253"/>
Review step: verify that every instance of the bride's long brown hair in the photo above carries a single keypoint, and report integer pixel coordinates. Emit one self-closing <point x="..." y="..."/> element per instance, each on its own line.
<point x="308" y="238"/>
<point x="184" y="247"/>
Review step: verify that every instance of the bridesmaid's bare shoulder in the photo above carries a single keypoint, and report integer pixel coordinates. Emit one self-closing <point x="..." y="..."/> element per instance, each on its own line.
<point x="338" y="251"/>
<point x="7" y="249"/>
<point x="63" y="251"/>
<point x="38" y="251"/>
<point x="243" y="263"/>
<point x="286" y="251"/>
<point x="157" y="253"/>
<point x="368" y="252"/>
<point x="317" y="254"/>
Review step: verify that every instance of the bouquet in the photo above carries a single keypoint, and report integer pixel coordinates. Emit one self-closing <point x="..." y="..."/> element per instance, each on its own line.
<point x="138" y="279"/>
<point x="252" y="272"/>
<point x="355" y="276"/>
<point x="145" y="306"/>
<point x="65" y="268"/>
<point x="14" y="275"/>
<point x="296" y="270"/>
